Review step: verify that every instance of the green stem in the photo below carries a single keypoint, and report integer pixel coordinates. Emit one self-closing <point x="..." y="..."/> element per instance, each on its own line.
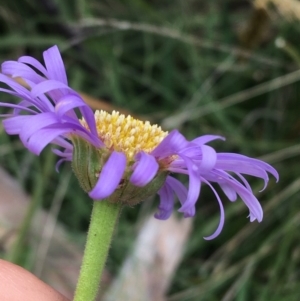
<point x="103" y="220"/>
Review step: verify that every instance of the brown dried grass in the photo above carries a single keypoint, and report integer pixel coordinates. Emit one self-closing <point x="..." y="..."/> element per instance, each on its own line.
<point x="289" y="9"/>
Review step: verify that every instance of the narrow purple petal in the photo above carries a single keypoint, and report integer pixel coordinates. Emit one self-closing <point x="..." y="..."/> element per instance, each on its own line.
<point x="13" y="125"/>
<point x="50" y="134"/>
<point x="34" y="63"/>
<point x="74" y="127"/>
<point x="178" y="188"/>
<point x="54" y="64"/>
<point x="245" y="182"/>
<point x="190" y="212"/>
<point x="39" y="140"/>
<point x="209" y="158"/>
<point x="222" y="214"/>
<point x="44" y="104"/>
<point x="63" y="143"/>
<point x="179" y="170"/>
<point x="62" y="153"/>
<point x="252" y="217"/>
<point x="247" y="196"/>
<point x="89" y="117"/>
<point x="110" y="176"/>
<point x="18" y="107"/>
<point x="145" y="170"/>
<point x="229" y="191"/>
<point x="58" y="163"/>
<point x="244" y="167"/>
<point x="204" y="156"/>
<point x="65" y="156"/>
<point x="194" y="185"/>
<point x="206" y="138"/>
<point x="182" y="194"/>
<point x="193" y="151"/>
<point x="16" y="69"/>
<point x="67" y="103"/>
<point x="21" y="91"/>
<point x="36" y="123"/>
<point x="48" y="86"/>
<point x="250" y="200"/>
<point x="171" y="145"/>
<point x="166" y="202"/>
<point x="235" y="160"/>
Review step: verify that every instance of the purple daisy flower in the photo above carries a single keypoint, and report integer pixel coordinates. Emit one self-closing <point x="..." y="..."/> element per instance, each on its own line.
<point x="130" y="154"/>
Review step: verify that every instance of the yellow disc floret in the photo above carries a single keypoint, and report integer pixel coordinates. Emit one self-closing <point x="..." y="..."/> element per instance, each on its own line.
<point x="127" y="134"/>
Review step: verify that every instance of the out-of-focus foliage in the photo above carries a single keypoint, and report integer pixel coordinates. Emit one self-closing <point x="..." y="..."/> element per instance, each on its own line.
<point x="221" y="67"/>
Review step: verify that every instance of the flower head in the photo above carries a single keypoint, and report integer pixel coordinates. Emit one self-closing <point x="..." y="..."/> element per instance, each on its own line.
<point x="118" y="157"/>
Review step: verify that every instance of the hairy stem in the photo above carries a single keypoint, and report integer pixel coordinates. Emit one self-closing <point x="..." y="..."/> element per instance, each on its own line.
<point x="103" y="220"/>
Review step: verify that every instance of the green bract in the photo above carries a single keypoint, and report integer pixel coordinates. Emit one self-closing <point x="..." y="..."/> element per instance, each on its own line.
<point x="88" y="162"/>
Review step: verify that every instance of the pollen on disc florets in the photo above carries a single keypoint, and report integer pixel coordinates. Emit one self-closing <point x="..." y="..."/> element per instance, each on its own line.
<point x="127" y="134"/>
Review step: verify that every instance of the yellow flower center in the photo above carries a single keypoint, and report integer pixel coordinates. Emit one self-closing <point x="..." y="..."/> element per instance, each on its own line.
<point x="127" y="134"/>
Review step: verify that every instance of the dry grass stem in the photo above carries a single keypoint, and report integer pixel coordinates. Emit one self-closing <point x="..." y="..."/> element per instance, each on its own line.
<point x="173" y="34"/>
<point x="289" y="9"/>
<point x="177" y="120"/>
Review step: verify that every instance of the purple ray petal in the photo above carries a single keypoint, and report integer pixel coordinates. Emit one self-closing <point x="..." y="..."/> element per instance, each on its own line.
<point x="58" y="164"/>
<point x="63" y="143"/>
<point x="190" y="212"/>
<point x="25" y="94"/>
<point x="194" y="185"/>
<point x="237" y="159"/>
<point x="181" y="193"/>
<point x="19" y="107"/>
<point x="34" y="63"/>
<point x="67" y="103"/>
<point x="36" y="123"/>
<point x="166" y="202"/>
<point x="44" y="104"/>
<point x="16" y="69"/>
<point x="178" y="170"/>
<point x="192" y="151"/>
<point x="89" y="118"/>
<point x="110" y="176"/>
<point x="222" y="214"/>
<point x="13" y="125"/>
<point x="48" y="86"/>
<point x="21" y="91"/>
<point x="62" y="153"/>
<point x="252" y="217"/>
<point x="244" y="167"/>
<point x="229" y="191"/>
<point x="247" y="196"/>
<point x="178" y="188"/>
<point x="74" y="127"/>
<point x="54" y="64"/>
<point x="39" y="140"/>
<point x="209" y="158"/>
<point x="206" y="138"/>
<point x="171" y="145"/>
<point x="60" y="129"/>
<point x="245" y="182"/>
<point x="145" y="169"/>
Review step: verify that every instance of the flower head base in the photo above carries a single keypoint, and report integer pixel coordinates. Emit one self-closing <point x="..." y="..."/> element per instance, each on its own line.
<point x="119" y="157"/>
<point x="88" y="163"/>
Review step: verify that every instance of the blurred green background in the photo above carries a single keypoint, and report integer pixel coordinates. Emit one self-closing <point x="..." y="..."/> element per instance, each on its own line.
<point x="226" y="67"/>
